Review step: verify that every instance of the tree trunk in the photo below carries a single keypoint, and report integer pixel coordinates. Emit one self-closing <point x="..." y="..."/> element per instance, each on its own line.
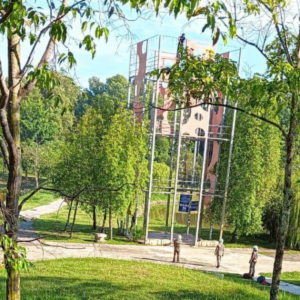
<point x="201" y="219"/>
<point x="69" y="215"/>
<point x="36" y="171"/>
<point x="94" y="218"/>
<point x="286" y="206"/>
<point x="103" y="224"/>
<point x="12" y="285"/>
<point x="119" y="226"/>
<point x="233" y="237"/>
<point x="110" y="223"/>
<point x="26" y="174"/>
<point x="74" y="218"/>
<point x="127" y="223"/>
<point x="211" y="231"/>
<point x="10" y="123"/>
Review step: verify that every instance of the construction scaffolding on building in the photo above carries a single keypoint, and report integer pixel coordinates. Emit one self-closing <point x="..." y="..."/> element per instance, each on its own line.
<point x="195" y="134"/>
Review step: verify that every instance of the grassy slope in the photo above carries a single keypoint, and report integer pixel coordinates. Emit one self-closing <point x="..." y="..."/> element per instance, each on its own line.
<point x="96" y="278"/>
<point x="291" y="277"/>
<point x="53" y="224"/>
<point x="40" y="198"/>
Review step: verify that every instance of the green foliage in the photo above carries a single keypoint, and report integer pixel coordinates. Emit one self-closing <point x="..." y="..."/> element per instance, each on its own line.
<point x="293" y="236"/>
<point x="42" y="125"/>
<point x="270" y="217"/>
<point x="104" y="160"/>
<point x="161" y="173"/>
<point x="106" y="97"/>
<point x="137" y="234"/>
<point x="14" y="255"/>
<point x="200" y="77"/>
<point x="162" y="150"/>
<point x="254" y="174"/>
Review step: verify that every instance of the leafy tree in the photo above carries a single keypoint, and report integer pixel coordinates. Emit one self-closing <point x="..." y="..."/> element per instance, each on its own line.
<point x="124" y="148"/>
<point x="293" y="235"/>
<point x="107" y="97"/>
<point x="254" y="174"/>
<point x="275" y="92"/>
<point x="22" y="21"/>
<point x="46" y="121"/>
<point x="105" y="162"/>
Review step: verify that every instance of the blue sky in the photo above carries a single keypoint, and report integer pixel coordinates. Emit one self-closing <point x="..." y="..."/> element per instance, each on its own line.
<point x="113" y="57"/>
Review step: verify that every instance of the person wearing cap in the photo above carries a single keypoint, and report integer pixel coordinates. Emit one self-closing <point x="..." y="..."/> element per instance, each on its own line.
<point x="253" y="261"/>
<point x="219" y="252"/>
<point x="181" y="41"/>
<point x="177" y="244"/>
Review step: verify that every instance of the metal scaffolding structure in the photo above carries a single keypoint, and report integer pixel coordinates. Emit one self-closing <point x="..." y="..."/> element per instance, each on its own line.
<point x="201" y="128"/>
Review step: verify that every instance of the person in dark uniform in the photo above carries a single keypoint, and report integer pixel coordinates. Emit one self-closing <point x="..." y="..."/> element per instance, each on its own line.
<point x="181" y="39"/>
<point x="181" y="42"/>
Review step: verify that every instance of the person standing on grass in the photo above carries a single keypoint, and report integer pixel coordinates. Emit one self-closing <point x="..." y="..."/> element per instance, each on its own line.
<point x="253" y="261"/>
<point x="177" y="244"/>
<point x="219" y="252"/>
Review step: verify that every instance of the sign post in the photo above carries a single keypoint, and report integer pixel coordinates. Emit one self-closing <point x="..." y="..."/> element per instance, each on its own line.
<point x="184" y="202"/>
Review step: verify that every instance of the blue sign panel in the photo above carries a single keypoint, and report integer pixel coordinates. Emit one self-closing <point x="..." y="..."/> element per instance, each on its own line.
<point x="195" y="205"/>
<point x="184" y="202"/>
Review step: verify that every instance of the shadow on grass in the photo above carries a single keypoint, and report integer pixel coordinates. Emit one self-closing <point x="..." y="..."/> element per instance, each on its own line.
<point x="57" y="288"/>
<point x="87" y="279"/>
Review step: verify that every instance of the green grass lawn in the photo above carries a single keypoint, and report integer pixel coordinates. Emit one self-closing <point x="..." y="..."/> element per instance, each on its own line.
<point x="52" y="225"/>
<point x="291" y="277"/>
<point x="40" y="198"/>
<point x="97" y="278"/>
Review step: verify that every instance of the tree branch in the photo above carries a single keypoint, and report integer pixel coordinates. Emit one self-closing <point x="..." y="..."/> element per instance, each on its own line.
<point x="4" y="151"/>
<point x="282" y="42"/>
<point x="298" y="45"/>
<point x="72" y="197"/>
<point x="29" y="86"/>
<point x="6" y="14"/>
<point x="257" y="47"/>
<point x="49" y="189"/>
<point x="231" y="107"/>
<point x="3" y="88"/>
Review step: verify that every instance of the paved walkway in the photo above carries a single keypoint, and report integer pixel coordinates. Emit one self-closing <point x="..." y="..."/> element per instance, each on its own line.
<point x="26" y="227"/>
<point x="234" y="261"/>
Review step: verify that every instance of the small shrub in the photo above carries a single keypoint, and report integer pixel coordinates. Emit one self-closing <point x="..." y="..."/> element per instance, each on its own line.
<point x="138" y="234"/>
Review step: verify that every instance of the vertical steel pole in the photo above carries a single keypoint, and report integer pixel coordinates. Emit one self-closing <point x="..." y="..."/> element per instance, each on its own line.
<point x="176" y="173"/>
<point x="228" y="172"/>
<point x="229" y="162"/>
<point x="171" y="168"/>
<point x="202" y="178"/>
<point x="129" y="79"/>
<point x="153" y="143"/>
<point x="194" y="161"/>
<point x="144" y="99"/>
<point x="153" y="112"/>
<point x="129" y="94"/>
